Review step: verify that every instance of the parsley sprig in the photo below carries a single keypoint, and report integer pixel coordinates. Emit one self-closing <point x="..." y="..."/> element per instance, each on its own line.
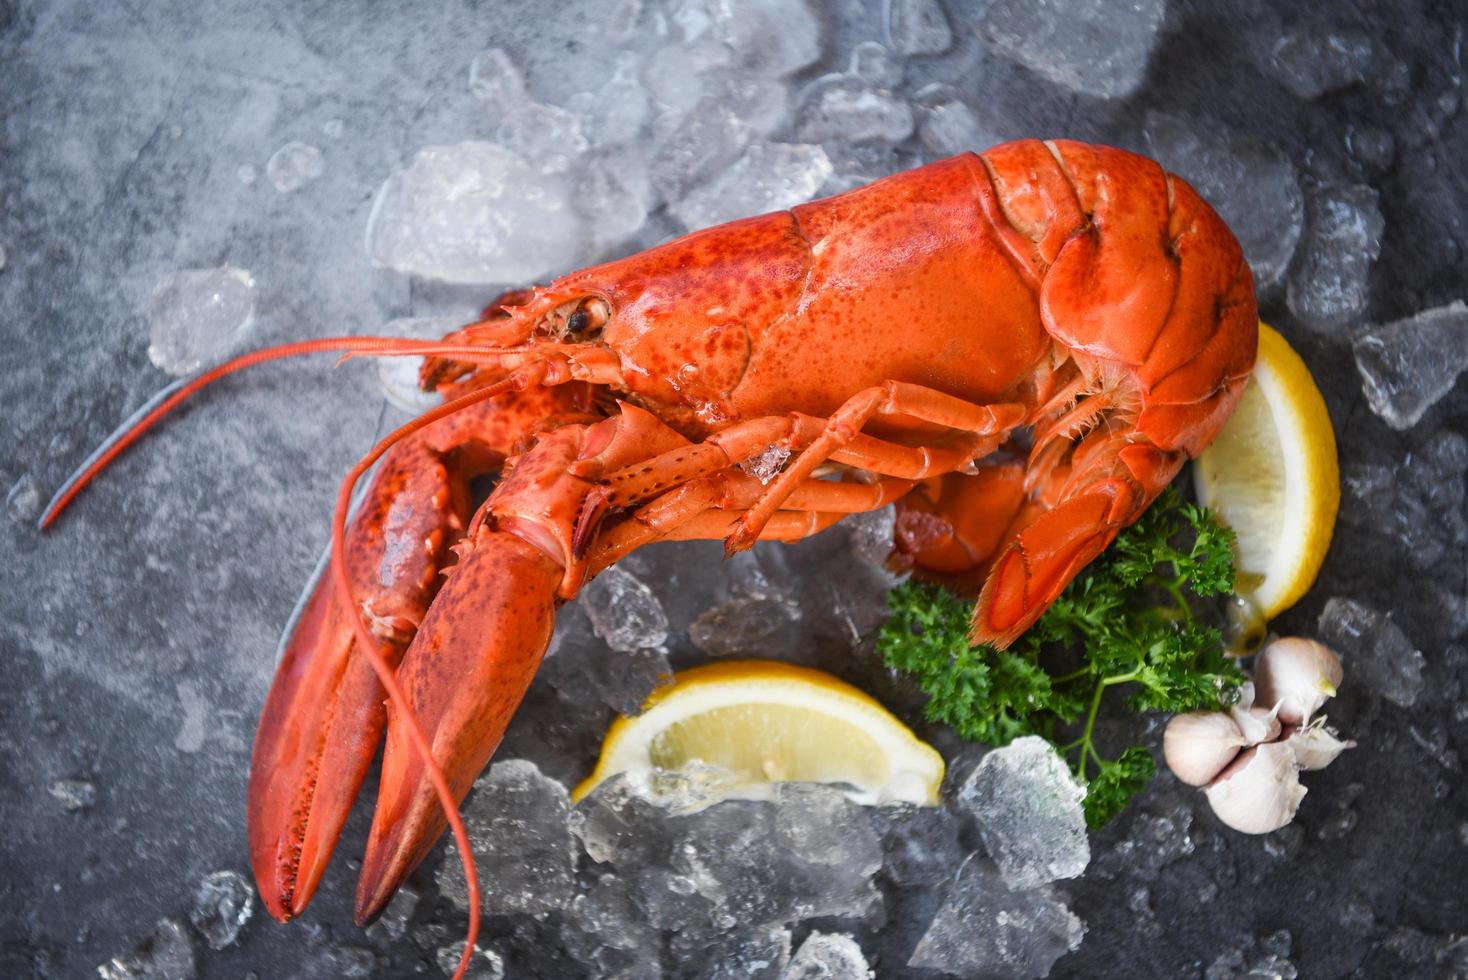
<point x="1127" y="622"/>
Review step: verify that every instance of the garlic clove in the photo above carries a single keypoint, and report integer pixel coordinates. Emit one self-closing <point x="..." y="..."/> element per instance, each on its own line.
<point x="1198" y="745"/>
<point x="1260" y="791"/>
<point x="1316" y="746"/>
<point x="1297" y="676"/>
<point x="1256" y="724"/>
<point x="1246" y="696"/>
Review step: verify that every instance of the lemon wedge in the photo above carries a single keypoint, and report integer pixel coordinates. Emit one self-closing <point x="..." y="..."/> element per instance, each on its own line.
<point x="1272" y="475"/>
<point x="762" y="722"/>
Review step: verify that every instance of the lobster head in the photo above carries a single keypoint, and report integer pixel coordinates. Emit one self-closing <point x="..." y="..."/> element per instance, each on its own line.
<point x="680" y="320"/>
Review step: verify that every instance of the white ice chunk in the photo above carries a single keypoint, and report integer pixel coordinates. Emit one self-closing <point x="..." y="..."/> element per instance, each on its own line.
<point x="1409" y="364"/>
<point x="223" y="903"/>
<point x="397" y="377"/>
<point x="983" y="929"/>
<point x="1095" y="47"/>
<point x="1329" y="283"/>
<point x="828" y="956"/>
<point x="293" y="166"/>
<point x="166" y="954"/>
<point x="875" y="65"/>
<point x="855" y="113"/>
<point x="768" y="177"/>
<point x="473" y="213"/>
<point x="952" y="127"/>
<point x="624" y="612"/>
<point x="1249" y="182"/>
<point x="1375" y="651"/>
<point x="196" y="316"/>
<point x="1311" y="65"/>
<point x="1028" y="809"/>
<point x="919" y="27"/>
<point x="517" y="824"/>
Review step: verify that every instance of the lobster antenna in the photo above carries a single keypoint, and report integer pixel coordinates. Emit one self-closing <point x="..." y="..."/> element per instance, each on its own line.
<point x="165" y="401"/>
<point x="342" y="583"/>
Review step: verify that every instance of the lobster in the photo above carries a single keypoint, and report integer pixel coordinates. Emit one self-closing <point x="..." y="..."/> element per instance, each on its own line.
<point x="1020" y="347"/>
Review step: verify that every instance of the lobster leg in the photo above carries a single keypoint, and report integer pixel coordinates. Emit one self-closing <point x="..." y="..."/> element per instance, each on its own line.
<point x="323" y="719"/>
<point x="712" y="498"/>
<point x="990" y="422"/>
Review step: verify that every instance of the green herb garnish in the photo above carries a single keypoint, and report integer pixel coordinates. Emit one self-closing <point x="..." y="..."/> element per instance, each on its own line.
<point x="1126" y="622"/>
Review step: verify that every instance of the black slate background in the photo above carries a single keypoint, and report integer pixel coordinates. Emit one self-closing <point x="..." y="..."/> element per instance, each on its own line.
<point x="123" y="126"/>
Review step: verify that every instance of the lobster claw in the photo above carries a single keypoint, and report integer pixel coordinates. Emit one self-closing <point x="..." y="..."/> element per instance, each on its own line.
<point x="323" y="718"/>
<point x="463" y="677"/>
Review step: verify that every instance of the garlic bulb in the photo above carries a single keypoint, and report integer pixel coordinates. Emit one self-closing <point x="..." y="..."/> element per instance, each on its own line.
<point x="1259" y="791"/>
<point x="1198" y="745"/>
<point x="1316" y="746"/>
<point x="1297" y="676"/>
<point x="1256" y="724"/>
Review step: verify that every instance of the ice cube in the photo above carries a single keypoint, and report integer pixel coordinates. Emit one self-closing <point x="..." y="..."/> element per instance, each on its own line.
<point x="616" y="111"/>
<point x="874" y="64"/>
<point x="486" y="964"/>
<point x="758" y="626"/>
<point x="1092" y="47"/>
<point x="293" y="166"/>
<point x="762" y="104"/>
<point x="613" y="193"/>
<point x="1311" y="64"/>
<point x="985" y="929"/>
<point x="624" y="612"/>
<point x="1409" y="364"/>
<point x="606" y="915"/>
<point x="1249" y="182"/>
<point x="620" y="680"/>
<point x="919" y="844"/>
<point x="679" y="76"/>
<point x="166" y="954"/>
<point x="495" y="79"/>
<point x="918" y="27"/>
<point x="851" y="111"/>
<point x="546" y="137"/>
<point x="756" y="954"/>
<point x="709" y="139"/>
<point x="3" y="258"/>
<point x="618" y="826"/>
<point x="23" y="501"/>
<point x="768" y="177"/>
<point x="75" y="795"/>
<point x="517" y="824"/>
<point x="769" y="37"/>
<point x="1329" y="285"/>
<point x="397" y="377"/>
<point x="872" y="535"/>
<point x="333" y="129"/>
<point x="687" y="789"/>
<point x="952" y="127"/>
<point x="392" y="924"/>
<point x="1028" y="809"/>
<point x="473" y="213"/>
<point x="821" y="826"/>
<point x="1375" y="651"/>
<point x="828" y="956"/>
<point x="223" y="903"/>
<point x="196" y="316"/>
<point x="735" y="857"/>
<point x="1154" y="840"/>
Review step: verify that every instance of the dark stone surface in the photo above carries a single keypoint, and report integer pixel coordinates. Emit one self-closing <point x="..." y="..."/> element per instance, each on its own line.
<point x="137" y="636"/>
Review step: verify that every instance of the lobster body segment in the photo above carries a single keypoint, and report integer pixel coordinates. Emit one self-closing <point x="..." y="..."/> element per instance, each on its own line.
<point x="1036" y="338"/>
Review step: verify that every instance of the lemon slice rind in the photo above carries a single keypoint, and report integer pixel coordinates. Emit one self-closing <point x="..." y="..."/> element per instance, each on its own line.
<point x="769" y="722"/>
<point x="1281" y="498"/>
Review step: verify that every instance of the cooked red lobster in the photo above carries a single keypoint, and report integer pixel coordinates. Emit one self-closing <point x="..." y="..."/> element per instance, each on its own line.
<point x="1036" y="338"/>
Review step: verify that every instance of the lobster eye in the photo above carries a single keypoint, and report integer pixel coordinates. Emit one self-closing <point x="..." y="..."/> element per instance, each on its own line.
<point x="577" y="322"/>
